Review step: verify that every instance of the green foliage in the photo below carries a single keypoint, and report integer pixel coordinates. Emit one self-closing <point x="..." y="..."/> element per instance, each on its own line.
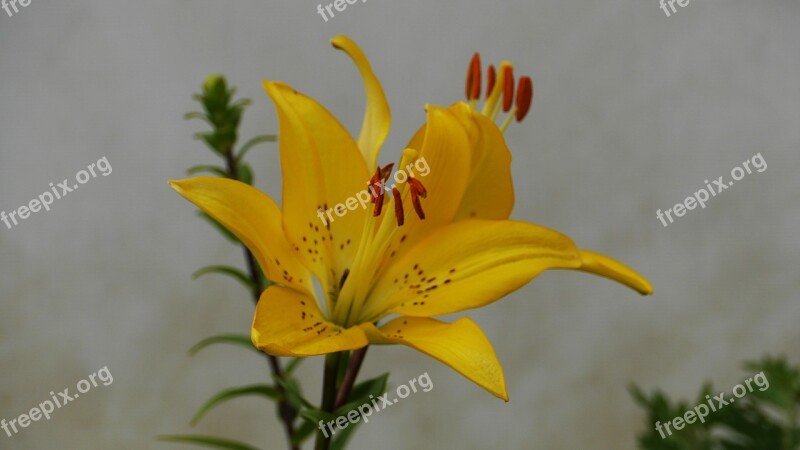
<point x="235" y="339"/>
<point x="765" y="418"/>
<point x="207" y="441"/>
<point x="263" y="390"/>
<point x="226" y="270"/>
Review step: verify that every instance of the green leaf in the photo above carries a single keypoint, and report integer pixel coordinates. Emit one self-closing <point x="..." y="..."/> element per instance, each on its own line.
<point x="361" y="392"/>
<point x="213" y="140"/>
<point x="208" y="441"/>
<point x="226" y="270"/>
<point x="264" y="390"/>
<point x="293" y="364"/>
<point x="208" y="169"/>
<point x="342" y="437"/>
<point x="294" y="395"/>
<point x="197" y="115"/>
<point x="245" y="173"/>
<point x="235" y="339"/>
<point x="253" y="142"/>
<point x="305" y="431"/>
<point x="224" y="231"/>
<point x="315" y="415"/>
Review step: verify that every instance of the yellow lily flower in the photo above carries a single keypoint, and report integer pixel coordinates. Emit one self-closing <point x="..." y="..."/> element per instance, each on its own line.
<point x="382" y="278"/>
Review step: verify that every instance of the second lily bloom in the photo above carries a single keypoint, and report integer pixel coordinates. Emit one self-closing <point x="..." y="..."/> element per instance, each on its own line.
<point x="373" y="191"/>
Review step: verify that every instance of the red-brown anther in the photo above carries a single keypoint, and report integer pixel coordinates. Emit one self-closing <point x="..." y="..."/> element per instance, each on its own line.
<point x="491" y="77"/>
<point x="376" y="187"/>
<point x="524" y="97"/>
<point x="398" y="208"/>
<point x="417" y="191"/>
<point x="473" y="87"/>
<point x="508" y="88"/>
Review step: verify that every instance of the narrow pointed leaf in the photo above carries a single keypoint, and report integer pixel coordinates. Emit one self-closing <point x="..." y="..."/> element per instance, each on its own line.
<point x="294" y="396"/>
<point x="253" y="142"/>
<point x="235" y="339"/>
<point x="208" y="441"/>
<point x="293" y="364"/>
<point x="245" y="173"/>
<point x="263" y="390"/>
<point x="305" y="431"/>
<point x="361" y="392"/>
<point x="194" y="170"/>
<point x="226" y="270"/>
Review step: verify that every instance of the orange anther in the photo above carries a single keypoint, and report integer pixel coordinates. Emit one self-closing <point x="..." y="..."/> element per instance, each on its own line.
<point x="473" y="86"/>
<point x="491" y="77"/>
<point x="524" y="97"/>
<point x="417" y="191"/>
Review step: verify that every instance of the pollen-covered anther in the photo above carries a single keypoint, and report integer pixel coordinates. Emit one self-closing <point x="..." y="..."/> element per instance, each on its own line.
<point x="417" y="191"/>
<point x="524" y="97"/>
<point x="399" y="214"/>
<point x="491" y="78"/>
<point x="508" y="88"/>
<point x="473" y="85"/>
<point x="377" y="187"/>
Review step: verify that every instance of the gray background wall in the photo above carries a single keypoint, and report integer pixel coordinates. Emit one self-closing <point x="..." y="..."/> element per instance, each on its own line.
<point x="633" y="110"/>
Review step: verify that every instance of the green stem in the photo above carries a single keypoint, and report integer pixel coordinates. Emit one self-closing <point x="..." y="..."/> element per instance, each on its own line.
<point x="356" y="359"/>
<point x="332" y="362"/>
<point x="287" y="413"/>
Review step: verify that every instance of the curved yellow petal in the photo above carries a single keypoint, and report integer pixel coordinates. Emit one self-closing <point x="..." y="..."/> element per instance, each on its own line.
<point x="322" y="168"/>
<point x="377" y="117"/>
<point x="490" y="191"/>
<point x="460" y="345"/>
<point x="255" y="219"/>
<point x="604" y="266"/>
<point x="289" y="323"/>
<point x="468" y="264"/>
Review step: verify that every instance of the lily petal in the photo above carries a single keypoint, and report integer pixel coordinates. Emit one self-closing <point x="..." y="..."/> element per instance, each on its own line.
<point x="255" y="219"/>
<point x="289" y="323"/>
<point x="490" y="191"/>
<point x="377" y="117"/>
<point x="469" y="264"/>
<point x="442" y="148"/>
<point x="604" y="266"/>
<point x="460" y="345"/>
<point x="322" y="168"/>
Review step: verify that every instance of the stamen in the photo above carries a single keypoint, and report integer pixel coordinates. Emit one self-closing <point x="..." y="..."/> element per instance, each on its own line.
<point x="417" y="191"/>
<point x="376" y="185"/>
<point x="524" y="97"/>
<point x="473" y="85"/>
<point x="508" y="88"/>
<point x="491" y="77"/>
<point x="398" y="207"/>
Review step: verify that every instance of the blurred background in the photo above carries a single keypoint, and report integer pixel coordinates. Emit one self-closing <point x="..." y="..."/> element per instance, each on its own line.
<point x="633" y="110"/>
